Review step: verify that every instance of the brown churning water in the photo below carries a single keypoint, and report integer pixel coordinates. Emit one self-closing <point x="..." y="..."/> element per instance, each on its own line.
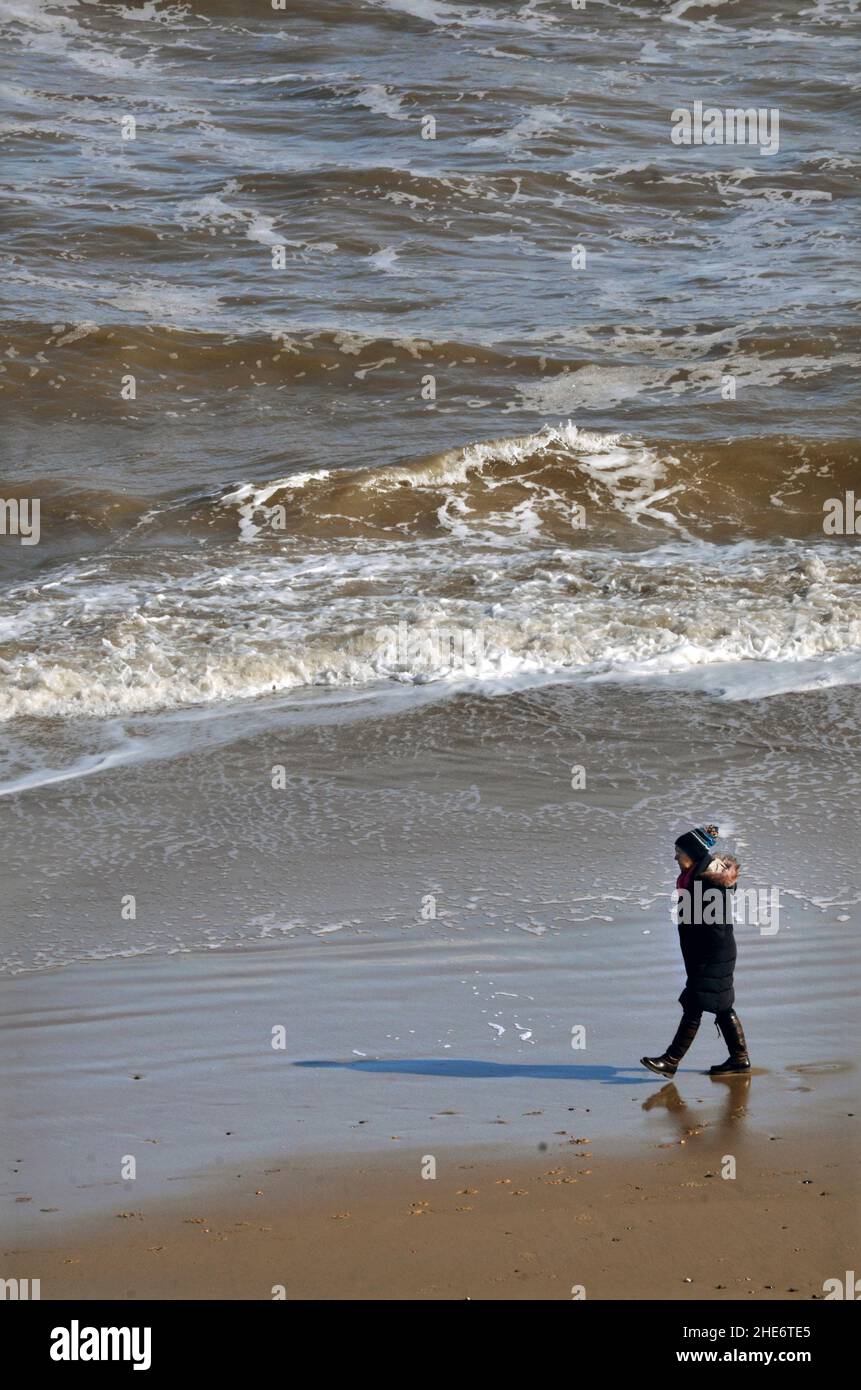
<point x="334" y="321"/>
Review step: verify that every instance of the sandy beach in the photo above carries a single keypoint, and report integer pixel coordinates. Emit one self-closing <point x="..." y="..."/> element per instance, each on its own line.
<point x="501" y="1223"/>
<point x="304" y="1065"/>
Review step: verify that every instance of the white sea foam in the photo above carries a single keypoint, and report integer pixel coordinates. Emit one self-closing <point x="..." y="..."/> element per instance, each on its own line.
<point x="382" y="101"/>
<point x="533" y="125"/>
<point x="214" y="211"/>
<point x="157" y="12"/>
<point x="469" y="16"/>
<point x="723" y="618"/>
<point x="628" y="472"/>
<point x="434" y="11"/>
<point x="743" y="620"/>
<point x="589" y="387"/>
<point x="41" y="28"/>
<point x="386" y="260"/>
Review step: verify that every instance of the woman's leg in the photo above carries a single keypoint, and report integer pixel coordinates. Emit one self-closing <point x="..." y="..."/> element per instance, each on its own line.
<point x="667" y="1064"/>
<point x="738" y="1060"/>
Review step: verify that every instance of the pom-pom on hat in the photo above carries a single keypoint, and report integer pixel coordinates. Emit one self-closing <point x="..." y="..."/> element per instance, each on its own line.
<point x="695" y="843"/>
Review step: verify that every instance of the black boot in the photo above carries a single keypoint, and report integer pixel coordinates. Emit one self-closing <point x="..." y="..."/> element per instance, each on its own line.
<point x="738" y="1061"/>
<point x="667" y="1064"/>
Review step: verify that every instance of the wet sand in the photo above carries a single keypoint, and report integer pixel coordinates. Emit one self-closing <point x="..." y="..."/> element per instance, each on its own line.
<point x="557" y="1167"/>
<point x="279" y="996"/>
<point x="494" y="1224"/>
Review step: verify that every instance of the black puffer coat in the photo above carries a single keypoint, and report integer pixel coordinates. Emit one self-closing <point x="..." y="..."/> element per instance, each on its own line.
<point x="709" y="951"/>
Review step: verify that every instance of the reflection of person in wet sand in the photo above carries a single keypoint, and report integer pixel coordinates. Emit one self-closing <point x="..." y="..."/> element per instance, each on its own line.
<point x="704" y="915"/>
<point x="688" y="1122"/>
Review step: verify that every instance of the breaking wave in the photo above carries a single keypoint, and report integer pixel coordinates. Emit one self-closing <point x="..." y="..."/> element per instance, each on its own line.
<point x="559" y="555"/>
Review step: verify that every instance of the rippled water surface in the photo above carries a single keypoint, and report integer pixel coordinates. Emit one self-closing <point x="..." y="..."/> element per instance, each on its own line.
<point x="402" y="346"/>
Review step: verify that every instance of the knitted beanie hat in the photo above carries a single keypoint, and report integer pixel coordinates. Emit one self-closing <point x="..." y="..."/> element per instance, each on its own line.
<point x="695" y="843"/>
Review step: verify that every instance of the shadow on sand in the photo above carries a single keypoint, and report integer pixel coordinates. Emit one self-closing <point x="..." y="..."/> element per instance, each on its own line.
<point x="457" y="1066"/>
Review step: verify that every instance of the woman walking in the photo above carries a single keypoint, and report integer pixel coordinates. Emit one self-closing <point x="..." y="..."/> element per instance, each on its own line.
<point x="704" y="916"/>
